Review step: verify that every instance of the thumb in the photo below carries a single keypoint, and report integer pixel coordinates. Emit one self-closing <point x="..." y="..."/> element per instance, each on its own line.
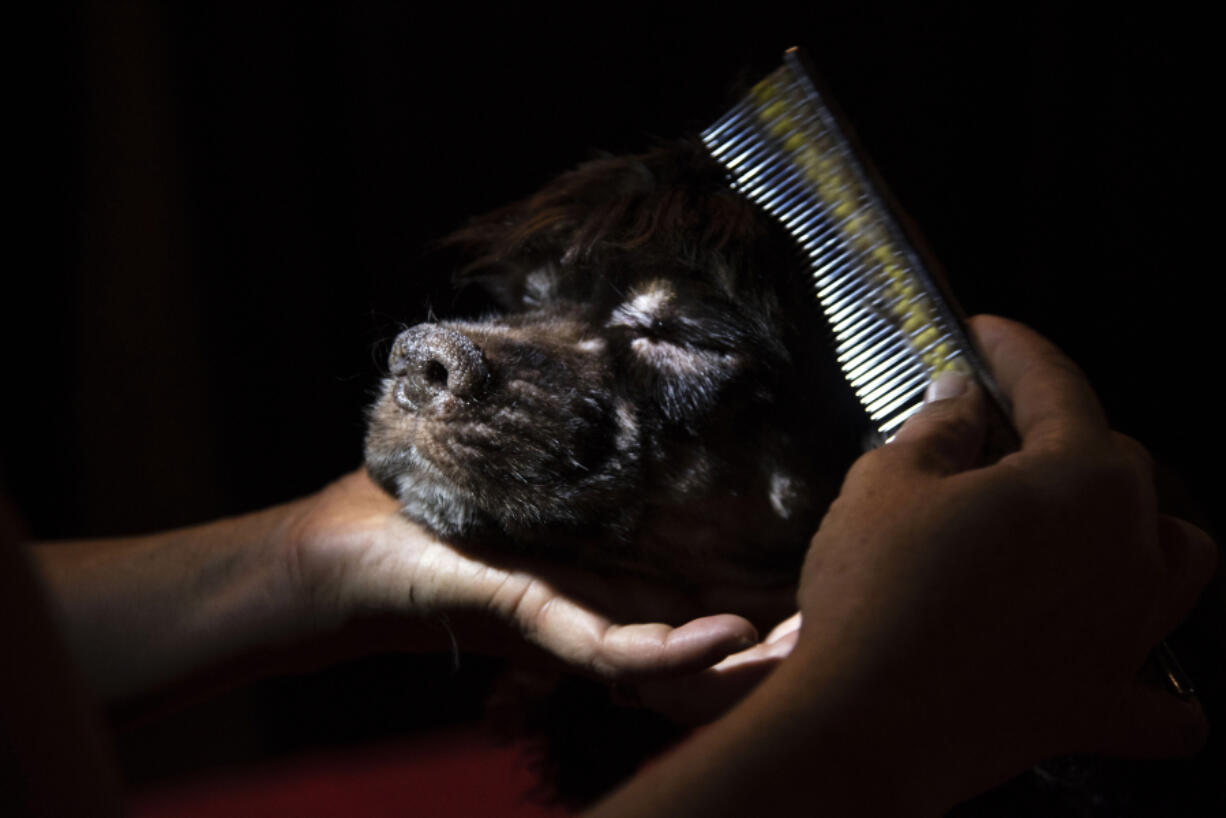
<point x="947" y="435"/>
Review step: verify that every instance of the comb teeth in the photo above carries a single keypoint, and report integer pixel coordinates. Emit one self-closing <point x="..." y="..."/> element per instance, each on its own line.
<point x="893" y="331"/>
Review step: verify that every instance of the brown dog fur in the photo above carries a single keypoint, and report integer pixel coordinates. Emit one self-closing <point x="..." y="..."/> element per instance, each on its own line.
<point x="651" y="393"/>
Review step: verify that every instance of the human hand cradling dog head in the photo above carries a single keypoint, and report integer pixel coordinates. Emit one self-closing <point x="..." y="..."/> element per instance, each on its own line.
<point x="356" y="558"/>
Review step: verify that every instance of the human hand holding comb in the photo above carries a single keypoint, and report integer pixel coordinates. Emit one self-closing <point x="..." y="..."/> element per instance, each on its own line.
<point x="963" y="622"/>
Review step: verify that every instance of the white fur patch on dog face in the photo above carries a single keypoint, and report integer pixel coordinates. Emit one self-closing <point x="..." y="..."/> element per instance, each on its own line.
<point x="648" y="312"/>
<point x="540" y="287"/>
<point x="783" y="494"/>
<point x="678" y="361"/>
<point x="627" y="426"/>
<point x="645" y="307"/>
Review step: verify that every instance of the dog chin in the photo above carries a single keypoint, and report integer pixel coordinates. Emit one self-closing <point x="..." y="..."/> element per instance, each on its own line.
<point x="430" y="497"/>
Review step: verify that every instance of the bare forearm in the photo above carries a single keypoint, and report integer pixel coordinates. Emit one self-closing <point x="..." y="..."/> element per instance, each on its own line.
<point x="330" y="576"/>
<point x="800" y="744"/>
<point x="140" y="612"/>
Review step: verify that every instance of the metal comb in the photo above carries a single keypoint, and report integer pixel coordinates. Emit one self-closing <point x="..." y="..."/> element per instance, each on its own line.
<point x="895" y="328"/>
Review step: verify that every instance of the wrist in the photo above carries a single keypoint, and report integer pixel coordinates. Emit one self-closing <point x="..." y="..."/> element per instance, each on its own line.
<point x="290" y="544"/>
<point x="352" y="565"/>
<point x="805" y="741"/>
<point x="854" y="740"/>
<point x="913" y="739"/>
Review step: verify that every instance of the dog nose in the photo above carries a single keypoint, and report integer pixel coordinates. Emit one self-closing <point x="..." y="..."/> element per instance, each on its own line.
<point x="433" y="362"/>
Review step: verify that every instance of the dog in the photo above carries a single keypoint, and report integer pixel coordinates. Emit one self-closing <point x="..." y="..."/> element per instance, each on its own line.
<point x="652" y="393"/>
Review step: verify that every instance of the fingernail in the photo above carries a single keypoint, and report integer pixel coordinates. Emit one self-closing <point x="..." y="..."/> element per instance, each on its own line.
<point x="948" y="384"/>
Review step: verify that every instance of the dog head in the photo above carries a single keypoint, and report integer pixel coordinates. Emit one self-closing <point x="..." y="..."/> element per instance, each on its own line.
<point x="650" y="393"/>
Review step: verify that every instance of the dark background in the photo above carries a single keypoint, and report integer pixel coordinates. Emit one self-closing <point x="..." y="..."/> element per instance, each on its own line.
<point x="233" y="205"/>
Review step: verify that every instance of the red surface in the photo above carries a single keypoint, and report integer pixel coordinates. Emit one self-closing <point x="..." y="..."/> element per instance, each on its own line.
<point x="454" y="773"/>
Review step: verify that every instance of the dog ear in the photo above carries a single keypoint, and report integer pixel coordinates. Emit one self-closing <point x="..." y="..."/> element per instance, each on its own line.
<point x="514" y="288"/>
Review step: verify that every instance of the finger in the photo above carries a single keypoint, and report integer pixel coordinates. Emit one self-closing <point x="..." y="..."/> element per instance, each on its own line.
<point x="1053" y="403"/>
<point x="784" y="629"/>
<point x="762" y="606"/>
<point x="1190" y="557"/>
<point x="1152" y="723"/>
<point x="614" y="652"/>
<point x="652" y="649"/>
<point x="625" y="598"/>
<point x="946" y="436"/>
<point x="705" y="696"/>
